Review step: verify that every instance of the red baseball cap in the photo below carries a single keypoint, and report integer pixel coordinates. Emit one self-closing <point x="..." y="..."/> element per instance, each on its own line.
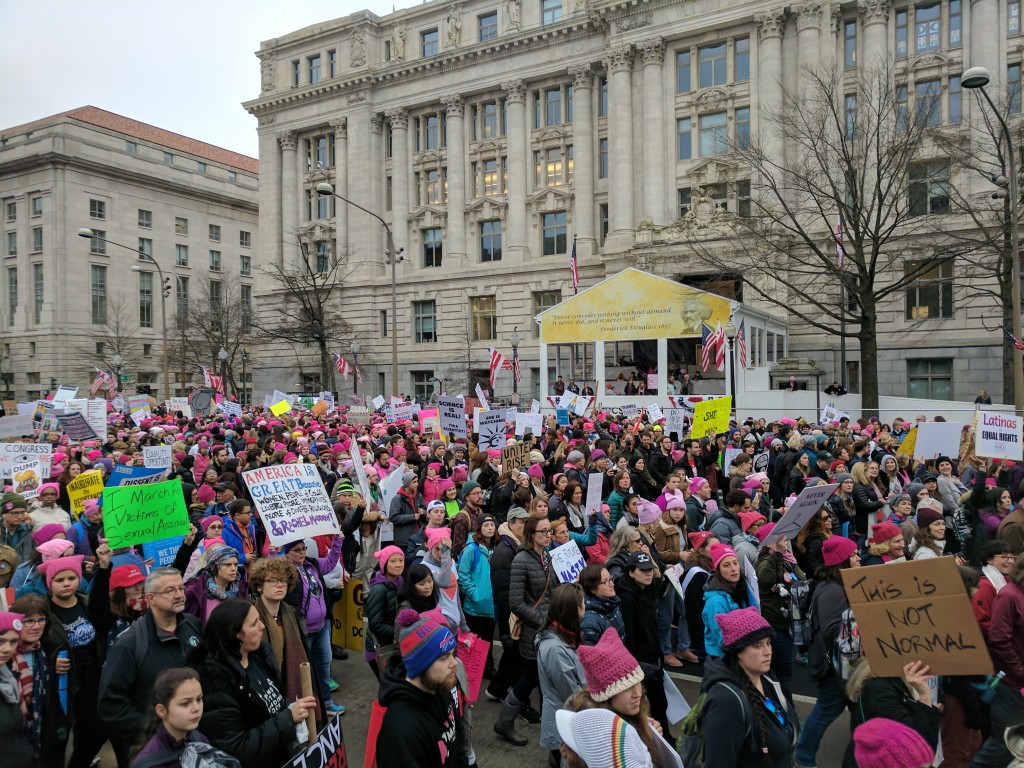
<point x="126" y="576"/>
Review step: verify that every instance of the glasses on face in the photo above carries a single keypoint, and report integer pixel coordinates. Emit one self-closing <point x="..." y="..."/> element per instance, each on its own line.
<point x="606" y="582"/>
<point x="215" y="528"/>
<point x="171" y="591"/>
<point x="275" y="582"/>
<point x="1007" y="558"/>
<point x="33" y="622"/>
<point x="543" y="531"/>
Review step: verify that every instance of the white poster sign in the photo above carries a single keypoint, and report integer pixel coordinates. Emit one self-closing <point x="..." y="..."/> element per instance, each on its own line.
<point x="389" y="488"/>
<point x="652" y="381"/>
<point x="830" y="413"/>
<point x="654" y="414"/>
<point x="292" y="502"/>
<point x="998" y="436"/>
<point x="182" y="404"/>
<point x="482" y="398"/>
<point x="357" y="465"/>
<point x="156" y="456"/>
<point x="582" y="404"/>
<point x="63" y="394"/>
<point x="491" y="429"/>
<point x="28" y="475"/>
<point x="452" y="414"/>
<point x="675" y="421"/>
<point x="567" y="561"/>
<point x="595" y="484"/>
<point x="379" y="402"/>
<point x="531" y="421"/>
<point x="938" y="438"/>
<point x="804" y="508"/>
<point x="22" y="453"/>
<point x="535" y="406"/>
<point x="629" y="411"/>
<point x="16" y="426"/>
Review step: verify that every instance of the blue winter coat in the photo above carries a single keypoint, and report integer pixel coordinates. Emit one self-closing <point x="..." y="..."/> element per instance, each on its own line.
<point x="716" y="601"/>
<point x="475" y="580"/>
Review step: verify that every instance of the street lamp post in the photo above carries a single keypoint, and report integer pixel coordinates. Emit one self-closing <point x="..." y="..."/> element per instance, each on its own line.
<point x="514" y="338"/>
<point x="978" y="78"/>
<point x="730" y="335"/>
<point x="223" y="357"/>
<point x="118" y="361"/>
<point x="245" y="388"/>
<point x="323" y="188"/>
<point x="164" y="288"/>
<point x="355" y="362"/>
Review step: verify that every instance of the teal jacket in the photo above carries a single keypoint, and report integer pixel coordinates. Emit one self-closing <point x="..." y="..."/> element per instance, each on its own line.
<point x="475" y="580"/>
<point x="716" y="601"/>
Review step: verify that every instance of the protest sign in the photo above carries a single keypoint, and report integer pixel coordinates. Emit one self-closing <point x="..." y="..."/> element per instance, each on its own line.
<point x="491" y="429"/>
<point x="916" y="611"/>
<point x="674" y="576"/>
<point x="357" y="416"/>
<point x="157" y="456"/>
<point x="753" y="591"/>
<point x="138" y="402"/>
<point x="88" y="485"/>
<point x="998" y="436"/>
<point x="327" y="750"/>
<point x="761" y="462"/>
<point x="268" y="400"/>
<point x="652" y="381"/>
<point x="909" y="442"/>
<point x="230" y="408"/>
<point x="830" y="413"/>
<point x="804" y="508"/>
<point x="76" y="427"/>
<point x="452" y="411"/>
<point x="10" y="407"/>
<point x="711" y="417"/>
<point x="94" y="411"/>
<point x="140" y="416"/>
<point x="16" y="426"/>
<point x="482" y="397"/>
<point x="937" y="438"/>
<point x="280" y="408"/>
<point x="510" y="415"/>
<point x="379" y="402"/>
<point x="181" y="404"/>
<point x="581" y="404"/>
<point x="677" y="707"/>
<point x="429" y="424"/>
<point x="119" y="403"/>
<point x="357" y="465"/>
<point x="162" y="551"/>
<point x="529" y="422"/>
<point x="654" y="414"/>
<point x="137" y="514"/>
<point x="515" y="456"/>
<point x="535" y="406"/>
<point x="292" y="502"/>
<point x="319" y="408"/>
<point x="675" y="421"/>
<point x="24" y="409"/>
<point x="730" y="454"/>
<point x="21" y="453"/>
<point x="399" y="411"/>
<point x="567" y="561"/>
<point x="472" y="651"/>
<point x="562" y="417"/>
<point x="629" y="411"/>
<point x="29" y="474"/>
<point x="123" y="474"/>
<point x="389" y="488"/>
<point x="595" y="485"/>
<point x="63" y="394"/>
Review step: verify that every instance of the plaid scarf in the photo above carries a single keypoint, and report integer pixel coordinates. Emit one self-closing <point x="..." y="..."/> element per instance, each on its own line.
<point x="33" y="680"/>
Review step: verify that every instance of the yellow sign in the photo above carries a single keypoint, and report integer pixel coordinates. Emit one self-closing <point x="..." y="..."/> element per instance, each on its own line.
<point x="633" y="305"/>
<point x="711" y="417"/>
<point x="347" y="617"/>
<point x="88" y="485"/>
<point x="281" y="408"/>
<point x="909" y="442"/>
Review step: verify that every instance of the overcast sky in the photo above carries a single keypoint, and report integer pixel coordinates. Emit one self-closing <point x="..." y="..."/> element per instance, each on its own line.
<point x="185" y="66"/>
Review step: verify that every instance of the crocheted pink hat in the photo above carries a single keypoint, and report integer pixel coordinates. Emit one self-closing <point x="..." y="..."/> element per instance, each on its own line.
<point x="884" y="743"/>
<point x="837" y="550"/>
<point x="719" y="552"/>
<point x="608" y="667"/>
<point x="741" y="628"/>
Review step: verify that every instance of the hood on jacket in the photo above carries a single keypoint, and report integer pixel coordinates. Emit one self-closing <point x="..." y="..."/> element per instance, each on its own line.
<point x="605" y="606"/>
<point x="379" y="578"/>
<point x="394" y="687"/>
<point x="717" y="584"/>
<point x="715" y="671"/>
<point x="506" y="533"/>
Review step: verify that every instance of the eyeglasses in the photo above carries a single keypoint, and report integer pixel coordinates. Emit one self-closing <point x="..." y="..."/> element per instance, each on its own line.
<point x="215" y="527"/>
<point x="32" y="622"/>
<point x="1008" y="558"/>
<point x="171" y="591"/>
<point x="275" y="582"/>
<point x="543" y="531"/>
<point x="606" y="582"/>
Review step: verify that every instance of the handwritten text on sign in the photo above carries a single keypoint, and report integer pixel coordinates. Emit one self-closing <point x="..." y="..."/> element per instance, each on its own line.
<point x="711" y="417"/>
<point x="568" y="562"/>
<point x="916" y="611"/>
<point x="134" y="514"/>
<point x="292" y="502"/>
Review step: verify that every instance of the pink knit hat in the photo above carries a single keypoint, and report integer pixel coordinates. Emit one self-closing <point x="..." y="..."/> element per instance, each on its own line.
<point x="884" y="531"/>
<point x="608" y="667"/>
<point x="386" y="554"/>
<point x="435" y="535"/>
<point x="763" y="531"/>
<point x="696" y="483"/>
<point x="54" y="548"/>
<point x="697" y="538"/>
<point x="47" y="532"/>
<point x="536" y="471"/>
<point x="837" y="550"/>
<point x="206" y="494"/>
<point x="648" y="512"/>
<point x="884" y="743"/>
<point x="719" y="552"/>
<point x="741" y="628"/>
<point x="675" y="503"/>
<point x="10" y="620"/>
<point x="53" y="567"/>
<point x="748" y="519"/>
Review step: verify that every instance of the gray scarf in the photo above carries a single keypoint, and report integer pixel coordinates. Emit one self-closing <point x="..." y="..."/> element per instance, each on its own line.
<point x="10" y="691"/>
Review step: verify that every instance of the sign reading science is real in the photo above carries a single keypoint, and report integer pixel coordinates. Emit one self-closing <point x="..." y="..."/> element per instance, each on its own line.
<point x="998" y="436"/>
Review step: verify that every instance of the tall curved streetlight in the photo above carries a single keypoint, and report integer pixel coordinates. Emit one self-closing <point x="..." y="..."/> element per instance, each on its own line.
<point x="977" y="78"/>
<point x="223" y="357"/>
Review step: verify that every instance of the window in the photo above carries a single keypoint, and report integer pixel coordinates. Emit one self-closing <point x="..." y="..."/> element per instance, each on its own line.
<point x="543" y="300"/>
<point x="424" y="321"/>
<point x="901" y="34"/>
<point x="147" y="350"/>
<point x="684" y="138"/>
<point x="12" y="294"/>
<point x="145" y="299"/>
<point x="550" y="11"/>
<point x="929" y="188"/>
<point x="1013" y="17"/>
<point x="851" y="115"/>
<point x="555" y="234"/>
<point x="323" y="256"/>
<point x="215" y="294"/>
<point x="483" y="316"/>
<point x="12" y="212"/>
<point x="422" y="385"/>
<point x="131" y="147"/>
<point x="428" y="40"/>
<point x="313" y="67"/>
<point x="930" y="294"/>
<point x="37" y="207"/>
<point x="743" y="127"/>
<point x="145" y="219"/>
<point x="954" y="99"/>
<point x="12" y="243"/>
<point x="168" y="158"/>
<point x="245" y="265"/>
<point x="215" y="261"/>
<point x="245" y="239"/>
<point x="549" y="167"/>
<point x="741" y="59"/>
<point x="432" y="132"/>
<point x="383" y="314"/>
<point x="954" y="23"/>
<point x="37" y="239"/>
<point x="101" y="348"/>
<point x="37" y="279"/>
<point x="711" y="64"/>
<point x="96" y="242"/>
<point x="332" y="63"/>
<point x="926" y="103"/>
<point x="850" y="44"/>
<point x="902" y="110"/>
<point x="200" y="166"/>
<point x="319" y="152"/>
<point x="181" y="301"/>
<point x="489" y="125"/>
<point x="552" y="106"/>
<point x="434" y="192"/>
<point x="323" y="206"/>
<point x="97" y="210"/>
<point x="245" y="298"/>
<point x="389" y="192"/>
<point x="743" y="198"/>
<point x="714" y="134"/>
<point x="490" y="177"/>
<point x="232" y="176"/>
<point x="146" y="246"/>
<point x="181" y="255"/>
<point x="488" y="26"/>
<point x="602" y="214"/>
<point x="215" y="233"/>
<point x="490" y="240"/>
<point x="296" y="73"/>
<point x="602" y="158"/>
<point x="180" y="226"/>
<point x="927" y="28"/>
<point x="1013" y="88"/>
<point x="930" y="378"/>
<point x="432" y="247"/>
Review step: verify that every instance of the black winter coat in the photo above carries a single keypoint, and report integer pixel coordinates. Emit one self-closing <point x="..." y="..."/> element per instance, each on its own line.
<point x="602" y="612"/>
<point x="640" y="615"/>
<point x="530" y="589"/>
<point x="501" y="578"/>
<point x="889" y="697"/>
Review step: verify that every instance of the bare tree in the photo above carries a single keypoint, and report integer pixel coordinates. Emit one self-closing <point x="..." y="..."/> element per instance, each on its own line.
<point x="217" y="319"/>
<point x="864" y="163"/>
<point x="117" y="335"/>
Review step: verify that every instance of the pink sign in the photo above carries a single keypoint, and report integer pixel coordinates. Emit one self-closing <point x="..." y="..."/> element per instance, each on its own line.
<point x="473" y="658"/>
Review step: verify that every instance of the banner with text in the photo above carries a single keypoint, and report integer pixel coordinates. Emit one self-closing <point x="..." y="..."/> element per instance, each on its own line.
<point x="998" y="436"/>
<point x="137" y="514"/>
<point x="292" y="502"/>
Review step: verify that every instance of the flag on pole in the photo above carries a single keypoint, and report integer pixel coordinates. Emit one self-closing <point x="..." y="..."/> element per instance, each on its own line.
<point x="341" y="364"/>
<point x="359" y="373"/>
<point x="574" y="267"/>
<point x="720" y="347"/>
<point x="497" y="362"/>
<point x="840" y="253"/>
<point x="515" y="365"/>
<point x="707" y="343"/>
<point x="1013" y="339"/>
<point x="102" y="377"/>
<point x="741" y="341"/>
<point x="212" y="380"/>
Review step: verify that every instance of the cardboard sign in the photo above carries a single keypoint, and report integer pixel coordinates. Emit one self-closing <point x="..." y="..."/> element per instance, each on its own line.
<point x="280" y="408"/>
<point x="595" y="486"/>
<point x="491" y="430"/>
<point x="319" y="408"/>
<point x="158" y="456"/>
<point x="806" y="506"/>
<point x="567" y="560"/>
<point x="482" y="397"/>
<point x="998" y="436"/>
<point x="21" y="453"/>
<point x="711" y="417"/>
<point x="515" y="456"/>
<point x="292" y="502"/>
<point x="137" y="514"/>
<point x="76" y="427"/>
<point x="937" y="438"/>
<point x="916" y="611"/>
<point x="452" y="414"/>
<point x="326" y="751"/>
<point x="16" y="426"/>
<point x="675" y="421"/>
<point x="474" y="659"/>
<point x="88" y="485"/>
<point x="529" y="422"/>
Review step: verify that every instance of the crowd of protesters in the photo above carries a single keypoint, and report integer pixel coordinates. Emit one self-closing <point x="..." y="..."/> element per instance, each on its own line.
<point x="202" y="658"/>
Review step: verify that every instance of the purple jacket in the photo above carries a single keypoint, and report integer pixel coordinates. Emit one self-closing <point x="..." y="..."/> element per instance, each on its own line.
<point x="163" y="742"/>
<point x="314" y="608"/>
<point x="990" y="520"/>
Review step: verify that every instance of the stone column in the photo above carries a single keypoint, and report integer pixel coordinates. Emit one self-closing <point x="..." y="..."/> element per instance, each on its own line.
<point x="652" y="54"/>
<point x="583" y="158"/>
<point x="619" y="65"/>
<point x="456" y="177"/>
<point x="341" y="171"/>
<point x="808" y="25"/>
<point x="270" y="240"/>
<point x="400" y="175"/>
<point x="373" y="130"/>
<point x="515" y="93"/>
<point x="289" y="197"/>
<point x="770" y="26"/>
<point x="875" y="23"/>
<point x="984" y="50"/>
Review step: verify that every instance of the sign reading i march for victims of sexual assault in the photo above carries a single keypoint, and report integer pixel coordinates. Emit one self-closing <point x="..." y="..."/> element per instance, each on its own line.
<point x="998" y="436"/>
<point x="292" y="502"/>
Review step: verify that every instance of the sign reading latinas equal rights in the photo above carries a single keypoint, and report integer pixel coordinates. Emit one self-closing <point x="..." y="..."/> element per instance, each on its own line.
<point x="292" y="502"/>
<point x="999" y="436"/>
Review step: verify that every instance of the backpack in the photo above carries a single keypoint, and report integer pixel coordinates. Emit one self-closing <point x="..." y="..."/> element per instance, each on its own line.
<point x="846" y="650"/>
<point x="800" y="594"/>
<point x="195" y="754"/>
<point x="691" y="729"/>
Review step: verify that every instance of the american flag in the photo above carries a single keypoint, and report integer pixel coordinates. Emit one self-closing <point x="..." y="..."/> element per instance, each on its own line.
<point x="1013" y="339"/>
<point x="707" y="343"/>
<point x="341" y="364"/>
<point x="515" y="365"/>
<point x="216" y="383"/>
<point x="741" y="341"/>
<point x="573" y="267"/>
<point x="498" y="362"/>
<point x="840" y="253"/>
<point x="359" y="373"/>
<point x="102" y="377"/>
<point x="720" y="348"/>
